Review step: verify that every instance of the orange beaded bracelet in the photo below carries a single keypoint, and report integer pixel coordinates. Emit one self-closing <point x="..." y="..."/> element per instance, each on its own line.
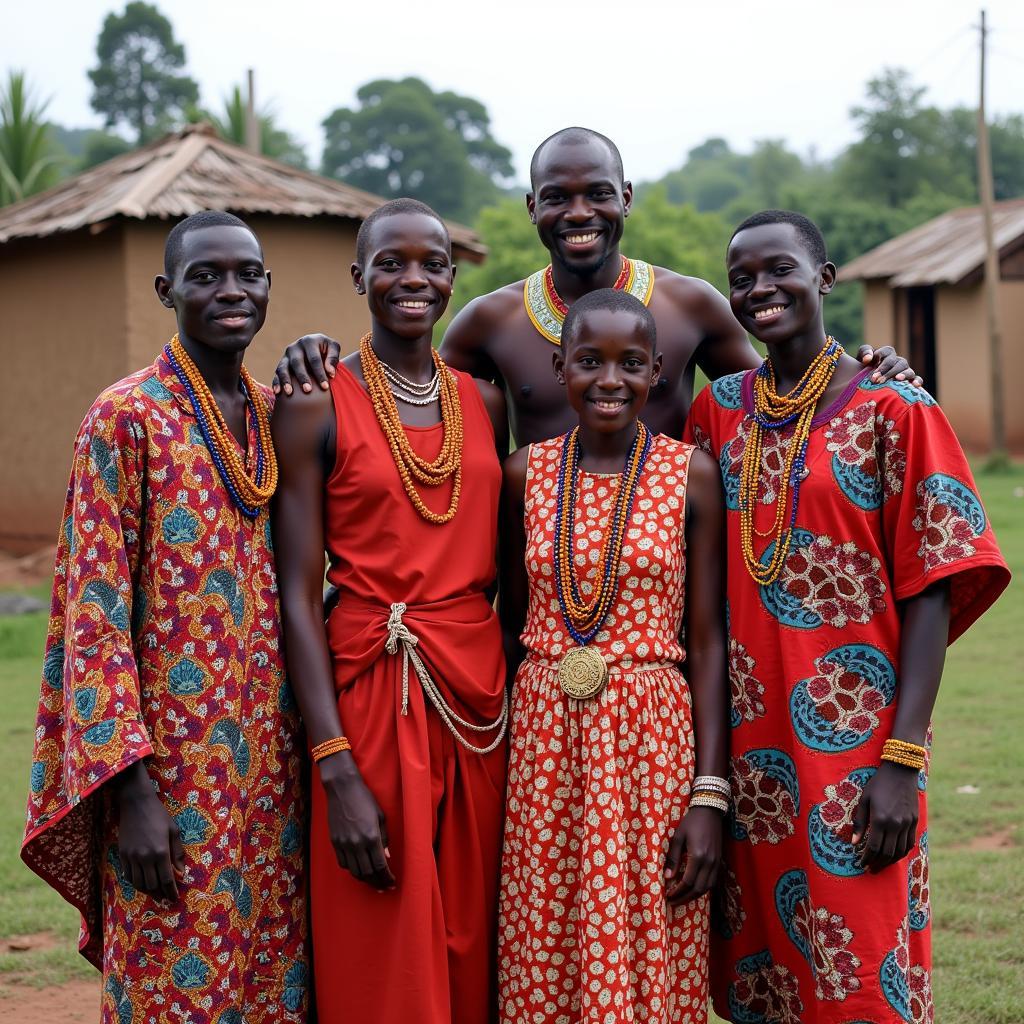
<point x="328" y="747"/>
<point x="910" y="755"/>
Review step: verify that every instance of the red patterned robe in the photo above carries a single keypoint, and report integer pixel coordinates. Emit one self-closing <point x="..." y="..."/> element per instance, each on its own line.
<point x="164" y="644"/>
<point x="800" y="932"/>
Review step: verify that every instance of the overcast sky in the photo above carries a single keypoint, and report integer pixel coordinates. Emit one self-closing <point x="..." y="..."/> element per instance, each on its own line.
<point x="657" y="77"/>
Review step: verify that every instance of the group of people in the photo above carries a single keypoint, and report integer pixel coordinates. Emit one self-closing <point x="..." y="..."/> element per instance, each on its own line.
<point x="686" y="755"/>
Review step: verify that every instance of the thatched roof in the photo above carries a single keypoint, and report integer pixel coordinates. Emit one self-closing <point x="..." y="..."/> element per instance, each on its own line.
<point x="946" y="250"/>
<point x="188" y="171"/>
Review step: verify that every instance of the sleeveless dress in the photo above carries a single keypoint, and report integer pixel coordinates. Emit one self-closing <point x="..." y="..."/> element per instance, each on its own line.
<point x="596" y="788"/>
<point x="424" y="951"/>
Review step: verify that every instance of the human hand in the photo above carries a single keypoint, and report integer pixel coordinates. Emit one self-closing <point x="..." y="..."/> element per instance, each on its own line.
<point x="357" y="827"/>
<point x="149" y="846"/>
<point x="888" y="365"/>
<point x="699" y="839"/>
<point x="315" y="354"/>
<point x="886" y="816"/>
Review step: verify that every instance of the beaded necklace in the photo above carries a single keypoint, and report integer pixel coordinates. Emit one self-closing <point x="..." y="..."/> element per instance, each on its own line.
<point x="412" y="468"/>
<point x="773" y="411"/>
<point x="583" y="619"/>
<point x="250" y="494"/>
<point x="547" y="310"/>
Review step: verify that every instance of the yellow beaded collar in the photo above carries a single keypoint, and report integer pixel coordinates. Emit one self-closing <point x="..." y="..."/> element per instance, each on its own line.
<point x="546" y="310"/>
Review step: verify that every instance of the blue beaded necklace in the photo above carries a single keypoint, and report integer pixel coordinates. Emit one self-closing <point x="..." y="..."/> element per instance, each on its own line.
<point x="250" y="511"/>
<point x="565" y="518"/>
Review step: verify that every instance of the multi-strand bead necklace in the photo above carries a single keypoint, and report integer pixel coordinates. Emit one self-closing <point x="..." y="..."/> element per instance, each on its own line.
<point x="250" y="494"/>
<point x="411" y="467"/>
<point x="582" y="671"/>
<point x="773" y="411"/>
<point x="409" y="391"/>
<point x="584" y="618"/>
<point x="547" y="310"/>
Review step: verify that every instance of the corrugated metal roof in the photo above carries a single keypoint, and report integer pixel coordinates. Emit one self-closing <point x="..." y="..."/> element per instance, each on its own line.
<point x="188" y="171"/>
<point x="942" y="251"/>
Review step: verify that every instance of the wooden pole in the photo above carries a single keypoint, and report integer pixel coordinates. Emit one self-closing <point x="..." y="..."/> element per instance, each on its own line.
<point x="252" y="125"/>
<point x="995" y="332"/>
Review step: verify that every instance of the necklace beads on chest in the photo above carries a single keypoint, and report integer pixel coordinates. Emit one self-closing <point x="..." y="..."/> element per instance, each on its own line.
<point x="413" y="469"/>
<point x="249" y="493"/>
<point x="582" y="671"/>
<point x="773" y="411"/>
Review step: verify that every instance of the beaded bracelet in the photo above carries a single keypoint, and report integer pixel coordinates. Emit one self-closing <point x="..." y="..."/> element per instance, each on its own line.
<point x="712" y="800"/>
<point x="910" y="755"/>
<point x="328" y="747"/>
<point x="713" y="783"/>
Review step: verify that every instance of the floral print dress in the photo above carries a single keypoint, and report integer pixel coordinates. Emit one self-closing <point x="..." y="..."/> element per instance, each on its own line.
<point x="800" y="932"/>
<point x="164" y="643"/>
<point x="597" y="787"/>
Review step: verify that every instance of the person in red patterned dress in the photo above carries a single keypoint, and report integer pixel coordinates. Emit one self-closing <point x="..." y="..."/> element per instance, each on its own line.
<point x="857" y="549"/>
<point x="166" y="798"/>
<point x="610" y="844"/>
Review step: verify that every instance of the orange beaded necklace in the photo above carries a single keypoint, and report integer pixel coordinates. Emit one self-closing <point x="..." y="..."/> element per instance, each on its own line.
<point x="773" y="411"/>
<point x="250" y="493"/>
<point x="412" y="468"/>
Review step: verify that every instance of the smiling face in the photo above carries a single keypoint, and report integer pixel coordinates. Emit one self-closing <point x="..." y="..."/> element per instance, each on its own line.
<point x="220" y="288"/>
<point x="579" y="204"/>
<point x="608" y="366"/>
<point x="775" y="287"/>
<point x="407" y="274"/>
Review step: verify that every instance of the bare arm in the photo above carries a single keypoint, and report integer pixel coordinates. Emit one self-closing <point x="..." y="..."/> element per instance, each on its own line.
<point x="888" y="810"/>
<point x="724" y="346"/>
<point x="464" y="345"/>
<point x="303" y="432"/>
<point x="699" y="837"/>
<point x="512" y="593"/>
<point x="494" y="403"/>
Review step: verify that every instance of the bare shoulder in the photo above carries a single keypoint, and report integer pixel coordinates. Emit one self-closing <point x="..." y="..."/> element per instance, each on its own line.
<point x="493" y="396"/>
<point x="478" y="317"/>
<point x="691" y="295"/>
<point x="703" y="485"/>
<point x="513" y="471"/>
<point x="302" y="419"/>
<point x="703" y="470"/>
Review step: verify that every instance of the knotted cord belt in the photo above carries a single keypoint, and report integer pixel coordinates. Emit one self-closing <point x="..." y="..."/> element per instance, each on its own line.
<point x="399" y="634"/>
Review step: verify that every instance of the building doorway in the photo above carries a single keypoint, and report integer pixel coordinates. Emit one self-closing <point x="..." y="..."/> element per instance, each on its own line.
<point x="921" y="333"/>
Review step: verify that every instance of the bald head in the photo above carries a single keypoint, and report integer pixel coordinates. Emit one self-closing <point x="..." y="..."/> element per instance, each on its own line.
<point x="575" y="137"/>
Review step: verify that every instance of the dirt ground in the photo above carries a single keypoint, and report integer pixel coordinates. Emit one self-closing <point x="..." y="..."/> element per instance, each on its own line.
<point x="26" y="570"/>
<point x="76" y="1002"/>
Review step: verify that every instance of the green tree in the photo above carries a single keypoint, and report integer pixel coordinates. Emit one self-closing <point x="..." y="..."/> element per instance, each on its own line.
<point x="139" y="81"/>
<point x="405" y="139"/>
<point x="28" y="162"/>
<point x="679" y="238"/>
<point x="101" y="147"/>
<point x="275" y="142"/>
<point x="514" y="252"/>
<point x="903" y="145"/>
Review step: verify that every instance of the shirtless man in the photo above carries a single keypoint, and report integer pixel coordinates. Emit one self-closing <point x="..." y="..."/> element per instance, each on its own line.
<point x="579" y="201"/>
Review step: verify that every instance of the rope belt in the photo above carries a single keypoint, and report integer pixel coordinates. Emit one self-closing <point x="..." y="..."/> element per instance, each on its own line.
<point x="399" y="634"/>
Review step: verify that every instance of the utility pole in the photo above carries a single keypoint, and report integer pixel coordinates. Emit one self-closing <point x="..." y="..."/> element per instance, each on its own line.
<point x="995" y="332"/>
<point x="252" y="125"/>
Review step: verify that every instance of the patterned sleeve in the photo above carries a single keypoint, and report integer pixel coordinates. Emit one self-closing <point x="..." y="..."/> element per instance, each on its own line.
<point x="697" y="430"/>
<point x="89" y="725"/>
<point x="934" y="523"/>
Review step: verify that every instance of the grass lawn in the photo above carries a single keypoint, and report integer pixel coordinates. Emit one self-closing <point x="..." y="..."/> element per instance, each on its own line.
<point x="976" y="837"/>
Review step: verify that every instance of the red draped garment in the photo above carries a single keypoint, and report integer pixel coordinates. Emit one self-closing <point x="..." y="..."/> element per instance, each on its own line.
<point x="424" y="951"/>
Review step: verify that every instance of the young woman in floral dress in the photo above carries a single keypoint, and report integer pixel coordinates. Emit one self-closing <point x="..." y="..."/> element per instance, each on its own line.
<point x="857" y="549"/>
<point x="611" y="843"/>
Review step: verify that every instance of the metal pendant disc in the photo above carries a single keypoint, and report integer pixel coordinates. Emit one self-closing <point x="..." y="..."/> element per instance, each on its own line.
<point x="582" y="673"/>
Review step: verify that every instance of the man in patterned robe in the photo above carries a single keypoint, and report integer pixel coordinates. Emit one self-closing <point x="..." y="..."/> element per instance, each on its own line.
<point x="166" y="797"/>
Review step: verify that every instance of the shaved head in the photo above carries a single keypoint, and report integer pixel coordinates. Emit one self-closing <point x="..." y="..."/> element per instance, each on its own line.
<point x="576" y="137"/>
